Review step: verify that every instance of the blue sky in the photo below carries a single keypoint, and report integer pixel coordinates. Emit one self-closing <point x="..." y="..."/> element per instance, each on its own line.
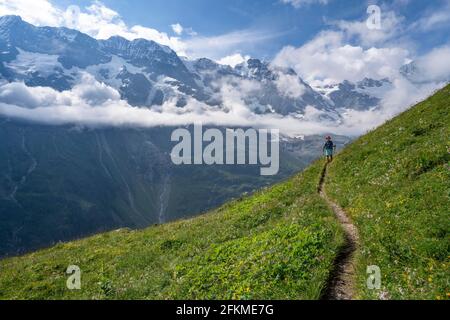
<point x="292" y="26"/>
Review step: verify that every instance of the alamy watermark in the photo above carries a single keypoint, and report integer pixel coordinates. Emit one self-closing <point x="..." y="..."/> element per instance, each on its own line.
<point x="374" y="279"/>
<point x="234" y="147"/>
<point x="374" y="20"/>
<point x="74" y="280"/>
<point x="72" y="16"/>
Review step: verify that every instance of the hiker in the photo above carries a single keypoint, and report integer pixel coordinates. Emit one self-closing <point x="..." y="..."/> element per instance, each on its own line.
<point x="329" y="148"/>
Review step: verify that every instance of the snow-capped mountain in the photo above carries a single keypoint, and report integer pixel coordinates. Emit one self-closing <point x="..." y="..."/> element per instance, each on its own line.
<point x="146" y="73"/>
<point x="411" y="71"/>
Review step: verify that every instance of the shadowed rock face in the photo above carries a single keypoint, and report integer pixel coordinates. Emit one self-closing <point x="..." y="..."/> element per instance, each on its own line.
<point x="359" y="96"/>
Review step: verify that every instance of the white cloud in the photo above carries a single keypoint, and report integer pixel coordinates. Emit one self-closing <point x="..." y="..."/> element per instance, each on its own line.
<point x="233" y="60"/>
<point x="435" y="65"/>
<point x="20" y="95"/>
<point x="177" y="28"/>
<point x="37" y="12"/>
<point x="87" y="92"/>
<point x="352" y="52"/>
<point x="327" y="58"/>
<point x="401" y="97"/>
<point x="101" y="22"/>
<point x="290" y="85"/>
<point x="300" y="3"/>
<point x="94" y="104"/>
<point x="96" y="20"/>
<point x="217" y="47"/>
<point x="391" y="28"/>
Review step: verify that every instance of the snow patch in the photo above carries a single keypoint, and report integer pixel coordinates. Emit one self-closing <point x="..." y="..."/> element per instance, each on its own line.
<point x="29" y="62"/>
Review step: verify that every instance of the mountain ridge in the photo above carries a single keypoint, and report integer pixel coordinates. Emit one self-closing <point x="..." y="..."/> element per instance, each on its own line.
<point x="280" y="90"/>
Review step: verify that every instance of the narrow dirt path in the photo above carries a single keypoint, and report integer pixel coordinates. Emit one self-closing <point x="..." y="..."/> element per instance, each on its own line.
<point x="340" y="284"/>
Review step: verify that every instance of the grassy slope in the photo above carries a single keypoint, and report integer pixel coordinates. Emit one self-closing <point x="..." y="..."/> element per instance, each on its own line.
<point x="279" y="243"/>
<point x="394" y="182"/>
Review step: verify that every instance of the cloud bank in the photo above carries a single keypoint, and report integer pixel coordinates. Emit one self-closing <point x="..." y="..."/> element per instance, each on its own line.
<point x="93" y="104"/>
<point x="328" y="58"/>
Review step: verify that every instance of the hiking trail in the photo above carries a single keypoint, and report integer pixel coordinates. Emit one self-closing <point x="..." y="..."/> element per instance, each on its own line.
<point x="340" y="283"/>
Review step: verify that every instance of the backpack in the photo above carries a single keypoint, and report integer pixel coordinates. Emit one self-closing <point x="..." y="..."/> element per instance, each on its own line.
<point x="329" y="144"/>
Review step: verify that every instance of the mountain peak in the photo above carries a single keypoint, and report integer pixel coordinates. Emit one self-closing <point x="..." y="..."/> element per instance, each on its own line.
<point x="151" y="45"/>
<point x="10" y="19"/>
<point x="206" y="64"/>
<point x="141" y="45"/>
<point x="9" y="23"/>
<point x="372" y="83"/>
<point x="255" y="68"/>
<point x="116" y="39"/>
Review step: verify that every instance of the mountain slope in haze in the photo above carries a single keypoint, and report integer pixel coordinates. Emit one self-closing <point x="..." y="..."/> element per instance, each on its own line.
<point x="59" y="183"/>
<point x="281" y="242"/>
